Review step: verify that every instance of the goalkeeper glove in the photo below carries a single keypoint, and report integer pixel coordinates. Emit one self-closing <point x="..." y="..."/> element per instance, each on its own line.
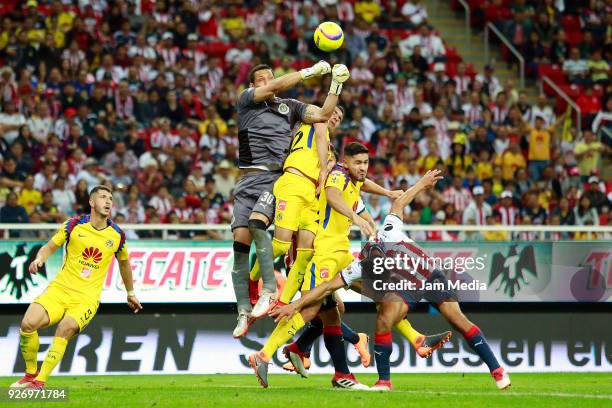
<point x="320" y="68"/>
<point x="340" y="74"/>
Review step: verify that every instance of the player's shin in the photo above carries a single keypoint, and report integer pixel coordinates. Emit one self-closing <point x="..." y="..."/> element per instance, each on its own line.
<point x="477" y="342"/>
<point x="382" y="353"/>
<point x="278" y="248"/>
<point x="332" y="336"/>
<point x="265" y="255"/>
<point x="295" y="278"/>
<point x="29" y="344"/>
<point x="54" y="355"/>
<point x="283" y="332"/>
<point x="240" y="277"/>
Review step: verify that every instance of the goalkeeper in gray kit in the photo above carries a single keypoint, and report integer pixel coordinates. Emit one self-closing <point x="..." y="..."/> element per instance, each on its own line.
<point x="265" y="124"/>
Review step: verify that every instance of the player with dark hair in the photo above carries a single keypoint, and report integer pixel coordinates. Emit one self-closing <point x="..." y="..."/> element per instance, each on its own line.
<point x="72" y="298"/>
<point x="265" y="123"/>
<point x="391" y="240"/>
<point x="337" y="211"/>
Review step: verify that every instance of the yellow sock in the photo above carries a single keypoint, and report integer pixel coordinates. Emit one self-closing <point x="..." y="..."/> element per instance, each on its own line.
<point x="278" y="248"/>
<point x="28" y="343"/>
<point x="405" y="329"/>
<point x="283" y="332"/>
<point x="295" y="278"/>
<point x="54" y="355"/>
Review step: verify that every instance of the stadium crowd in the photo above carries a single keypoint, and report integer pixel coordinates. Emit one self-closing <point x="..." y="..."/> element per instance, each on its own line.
<point x="139" y="95"/>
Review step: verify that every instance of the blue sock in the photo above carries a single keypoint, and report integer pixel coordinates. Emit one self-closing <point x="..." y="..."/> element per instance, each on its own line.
<point x="478" y="343"/>
<point x="312" y="332"/>
<point x="349" y="334"/>
<point x="332" y="335"/>
<point x="382" y="353"/>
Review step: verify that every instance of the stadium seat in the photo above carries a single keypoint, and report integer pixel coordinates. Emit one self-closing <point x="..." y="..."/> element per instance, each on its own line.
<point x="574" y="38"/>
<point x="570" y="23"/>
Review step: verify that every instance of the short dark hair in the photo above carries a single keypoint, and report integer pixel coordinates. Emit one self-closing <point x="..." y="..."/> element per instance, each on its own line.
<point x="341" y="109"/>
<point x="258" y="67"/>
<point x="99" y="188"/>
<point x="354" y="148"/>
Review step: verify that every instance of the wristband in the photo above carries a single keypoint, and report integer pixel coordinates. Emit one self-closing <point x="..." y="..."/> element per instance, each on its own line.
<point x="335" y="88"/>
<point x="131" y="293"/>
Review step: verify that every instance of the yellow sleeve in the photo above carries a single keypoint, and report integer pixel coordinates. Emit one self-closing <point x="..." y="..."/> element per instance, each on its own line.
<point x="62" y="233"/>
<point x="580" y="148"/>
<point x="337" y="179"/>
<point x="122" y="253"/>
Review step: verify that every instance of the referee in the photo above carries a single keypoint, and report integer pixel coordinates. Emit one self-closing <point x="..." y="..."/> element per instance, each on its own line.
<point x="265" y="123"/>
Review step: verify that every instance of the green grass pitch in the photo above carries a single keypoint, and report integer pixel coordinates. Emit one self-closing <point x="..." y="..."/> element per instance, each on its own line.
<point x="290" y="391"/>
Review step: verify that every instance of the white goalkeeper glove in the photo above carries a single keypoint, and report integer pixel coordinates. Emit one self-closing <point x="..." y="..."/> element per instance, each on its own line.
<point x="320" y="68"/>
<point x="340" y="74"/>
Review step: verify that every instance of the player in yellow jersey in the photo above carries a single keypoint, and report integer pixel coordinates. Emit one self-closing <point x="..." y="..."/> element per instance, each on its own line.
<point x="72" y="298"/>
<point x="337" y="205"/>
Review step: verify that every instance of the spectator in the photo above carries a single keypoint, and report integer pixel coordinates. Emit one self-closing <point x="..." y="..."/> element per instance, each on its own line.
<point x="10" y="121"/>
<point x="585" y="213"/>
<point x="63" y="198"/>
<point x="588" y="154"/>
<point x="477" y="210"/>
<point x="224" y="179"/>
<point x="48" y="211"/>
<point x="415" y="12"/>
<point x="367" y="10"/>
<point x="533" y="210"/>
<point x="14" y="213"/>
<point x="29" y="197"/>
<point x="121" y="155"/>
<point x="597" y="198"/>
<point x="506" y="209"/>
<point x="575" y="68"/>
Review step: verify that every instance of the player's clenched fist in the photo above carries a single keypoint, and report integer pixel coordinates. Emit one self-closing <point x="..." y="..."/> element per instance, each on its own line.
<point x="36" y="263"/>
<point x="340" y="74"/>
<point x="320" y="68"/>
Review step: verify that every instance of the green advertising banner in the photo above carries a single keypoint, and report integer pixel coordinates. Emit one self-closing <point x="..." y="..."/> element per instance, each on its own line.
<point x="200" y="271"/>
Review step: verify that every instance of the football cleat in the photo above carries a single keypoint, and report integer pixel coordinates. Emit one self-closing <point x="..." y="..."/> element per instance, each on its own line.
<point x="265" y="303"/>
<point x="347" y="381"/>
<point x="260" y="366"/>
<point x="382" y="385"/>
<point x="362" y="348"/>
<point x="24" y="381"/>
<point x="288" y="366"/>
<point x="242" y="327"/>
<point x="426" y="345"/>
<point x="297" y="359"/>
<point x="36" y="385"/>
<point x="253" y="292"/>
<point x="502" y="379"/>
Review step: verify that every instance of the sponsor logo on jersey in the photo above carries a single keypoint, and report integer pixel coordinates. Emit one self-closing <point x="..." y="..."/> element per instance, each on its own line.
<point x="109" y="243"/>
<point x="86" y="272"/>
<point x="283" y="108"/>
<point x="324" y="273"/>
<point x="281" y="205"/>
<point x="92" y="254"/>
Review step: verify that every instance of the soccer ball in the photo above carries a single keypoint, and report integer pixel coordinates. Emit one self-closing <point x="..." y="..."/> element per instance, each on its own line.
<point x="328" y="36"/>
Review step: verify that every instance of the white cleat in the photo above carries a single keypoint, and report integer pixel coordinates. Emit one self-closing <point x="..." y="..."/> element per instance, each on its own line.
<point x="242" y="327"/>
<point x="501" y="377"/>
<point x="263" y="305"/>
<point x="348" y="382"/>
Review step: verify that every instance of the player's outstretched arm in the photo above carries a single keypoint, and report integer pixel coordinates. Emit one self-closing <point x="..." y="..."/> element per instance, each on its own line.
<point x="313" y="114"/>
<point x="288" y="81"/>
<point x="43" y="254"/>
<point x="126" y="274"/>
<point x="334" y="199"/>
<point x="308" y="298"/>
<point x="371" y="187"/>
<point x="427" y="181"/>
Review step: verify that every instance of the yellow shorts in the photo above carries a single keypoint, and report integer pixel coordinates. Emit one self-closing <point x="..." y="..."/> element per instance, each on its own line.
<point x="324" y="267"/>
<point x="59" y="302"/>
<point x="296" y="204"/>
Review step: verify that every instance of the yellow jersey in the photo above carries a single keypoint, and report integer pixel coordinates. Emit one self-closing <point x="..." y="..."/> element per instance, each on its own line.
<point x="89" y="253"/>
<point x="333" y="232"/>
<point x="303" y="154"/>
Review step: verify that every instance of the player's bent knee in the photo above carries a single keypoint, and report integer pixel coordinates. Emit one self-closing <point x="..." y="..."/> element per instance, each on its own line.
<point x="257" y="224"/>
<point x="35" y="318"/>
<point x="67" y="328"/>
